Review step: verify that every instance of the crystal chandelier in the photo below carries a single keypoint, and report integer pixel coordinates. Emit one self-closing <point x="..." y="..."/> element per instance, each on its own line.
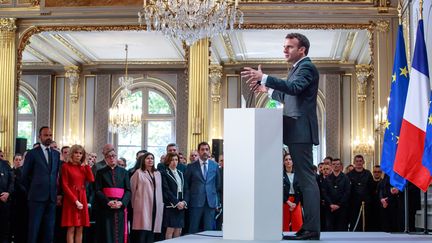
<point x="191" y="20"/>
<point x="363" y="145"/>
<point x="123" y="118"/>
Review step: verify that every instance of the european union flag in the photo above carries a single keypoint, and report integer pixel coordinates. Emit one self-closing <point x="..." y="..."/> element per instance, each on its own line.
<point x="398" y="94"/>
<point x="427" y="154"/>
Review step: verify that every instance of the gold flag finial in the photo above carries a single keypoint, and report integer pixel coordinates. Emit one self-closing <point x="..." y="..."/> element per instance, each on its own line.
<point x="399" y="9"/>
<point x="421" y="9"/>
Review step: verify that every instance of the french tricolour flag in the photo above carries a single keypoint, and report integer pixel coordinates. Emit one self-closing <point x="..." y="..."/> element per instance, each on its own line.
<point x="408" y="161"/>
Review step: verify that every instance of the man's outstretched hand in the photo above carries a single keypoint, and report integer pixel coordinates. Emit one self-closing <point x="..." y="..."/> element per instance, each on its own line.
<point x="253" y="78"/>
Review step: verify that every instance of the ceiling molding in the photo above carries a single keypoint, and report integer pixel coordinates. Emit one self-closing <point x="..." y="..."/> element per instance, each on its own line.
<point x="227" y="44"/>
<point x="39" y="55"/>
<point x="239" y="42"/>
<point x="80" y="46"/>
<point x="64" y="42"/>
<point x="349" y="44"/>
<point x="44" y="43"/>
<point x="178" y="47"/>
<point x="149" y="62"/>
<point x="284" y="62"/>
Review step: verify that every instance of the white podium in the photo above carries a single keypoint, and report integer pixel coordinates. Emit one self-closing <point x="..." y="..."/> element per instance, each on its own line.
<point x="252" y="174"/>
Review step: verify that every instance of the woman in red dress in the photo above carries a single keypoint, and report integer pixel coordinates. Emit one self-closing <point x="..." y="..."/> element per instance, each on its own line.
<point x="74" y="175"/>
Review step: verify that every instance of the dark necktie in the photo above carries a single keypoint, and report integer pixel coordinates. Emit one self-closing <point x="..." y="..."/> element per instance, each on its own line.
<point x="205" y="170"/>
<point x="49" y="156"/>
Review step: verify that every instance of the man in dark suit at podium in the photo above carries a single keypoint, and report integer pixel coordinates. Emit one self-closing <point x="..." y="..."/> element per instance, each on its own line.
<point x="39" y="177"/>
<point x="300" y="126"/>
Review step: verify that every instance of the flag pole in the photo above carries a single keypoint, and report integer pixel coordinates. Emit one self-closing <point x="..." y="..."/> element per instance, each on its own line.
<point x="426" y="230"/>
<point x="406" y="209"/>
<point x="421" y="9"/>
<point x="399" y="9"/>
<point x="406" y="201"/>
<point x="425" y="217"/>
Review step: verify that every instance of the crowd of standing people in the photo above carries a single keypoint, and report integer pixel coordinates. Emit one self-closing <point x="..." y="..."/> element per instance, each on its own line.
<point x="64" y="195"/>
<point x="351" y="200"/>
<point x="53" y="195"/>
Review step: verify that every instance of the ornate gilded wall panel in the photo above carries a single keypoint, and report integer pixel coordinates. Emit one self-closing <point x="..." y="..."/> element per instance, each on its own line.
<point x="93" y="3"/>
<point x="386" y="2"/>
<point x="333" y="114"/>
<point x="103" y="101"/>
<point x="43" y="101"/>
<point x="182" y="115"/>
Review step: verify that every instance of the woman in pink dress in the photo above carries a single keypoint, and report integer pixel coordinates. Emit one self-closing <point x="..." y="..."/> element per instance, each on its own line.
<point x="74" y="175"/>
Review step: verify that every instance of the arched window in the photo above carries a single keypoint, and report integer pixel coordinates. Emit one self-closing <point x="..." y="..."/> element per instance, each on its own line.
<point x="157" y="128"/>
<point x="26" y="119"/>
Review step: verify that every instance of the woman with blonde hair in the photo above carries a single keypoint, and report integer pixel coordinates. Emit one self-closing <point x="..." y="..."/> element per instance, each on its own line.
<point x="74" y="175"/>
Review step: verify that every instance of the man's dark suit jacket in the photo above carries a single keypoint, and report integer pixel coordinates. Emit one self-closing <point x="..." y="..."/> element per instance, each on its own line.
<point x="99" y="165"/>
<point x="6" y="178"/>
<point x="199" y="190"/>
<point x="302" y="85"/>
<point x="40" y="178"/>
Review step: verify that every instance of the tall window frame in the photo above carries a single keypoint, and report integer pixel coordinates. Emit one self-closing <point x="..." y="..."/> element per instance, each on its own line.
<point x="151" y="120"/>
<point x="26" y="116"/>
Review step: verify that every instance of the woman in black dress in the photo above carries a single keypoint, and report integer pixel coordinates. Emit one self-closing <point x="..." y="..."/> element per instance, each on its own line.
<point x="172" y="184"/>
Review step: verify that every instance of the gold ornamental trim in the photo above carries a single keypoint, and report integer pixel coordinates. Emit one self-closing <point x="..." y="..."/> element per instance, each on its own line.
<point x="329" y="26"/>
<point x="64" y="42"/>
<point x="309" y="1"/>
<point x="383" y="26"/>
<point x="348" y="47"/>
<point x="7" y="24"/>
<point x="151" y="62"/>
<point x="26" y="35"/>
<point x="40" y="56"/>
<point x="284" y="62"/>
<point x="227" y="44"/>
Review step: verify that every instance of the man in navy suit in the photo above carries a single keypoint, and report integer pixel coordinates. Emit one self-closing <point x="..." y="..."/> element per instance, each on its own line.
<point x="202" y="186"/>
<point x="39" y="177"/>
<point x="298" y="93"/>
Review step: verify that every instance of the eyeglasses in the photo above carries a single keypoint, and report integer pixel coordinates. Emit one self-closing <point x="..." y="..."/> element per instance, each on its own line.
<point x="111" y="155"/>
<point x="377" y="172"/>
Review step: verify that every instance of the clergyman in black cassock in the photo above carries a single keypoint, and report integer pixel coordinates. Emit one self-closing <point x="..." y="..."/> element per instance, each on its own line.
<point x="112" y="185"/>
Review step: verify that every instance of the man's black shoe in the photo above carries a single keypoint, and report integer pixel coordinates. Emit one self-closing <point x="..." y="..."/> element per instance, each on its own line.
<point x="303" y="235"/>
<point x="299" y="232"/>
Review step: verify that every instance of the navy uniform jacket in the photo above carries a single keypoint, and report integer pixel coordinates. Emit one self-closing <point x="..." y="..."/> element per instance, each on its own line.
<point x="361" y="186"/>
<point x="336" y="190"/>
<point x="6" y="178"/>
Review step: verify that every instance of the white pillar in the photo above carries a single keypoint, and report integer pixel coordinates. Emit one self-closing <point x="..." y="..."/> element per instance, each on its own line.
<point x="252" y="174"/>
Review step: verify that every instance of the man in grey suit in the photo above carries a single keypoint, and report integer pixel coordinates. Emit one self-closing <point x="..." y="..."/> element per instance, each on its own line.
<point x="300" y="126"/>
<point x="202" y="186"/>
